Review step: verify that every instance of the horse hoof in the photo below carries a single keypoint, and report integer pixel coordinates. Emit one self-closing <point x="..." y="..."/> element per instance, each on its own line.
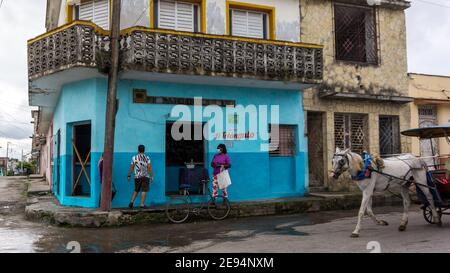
<point x="439" y="224"/>
<point x="402" y="228"/>
<point x="383" y="223"/>
<point x="354" y="235"/>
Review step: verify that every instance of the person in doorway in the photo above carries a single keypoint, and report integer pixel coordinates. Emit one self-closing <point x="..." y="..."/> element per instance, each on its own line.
<point x="143" y="174"/>
<point x="221" y="161"/>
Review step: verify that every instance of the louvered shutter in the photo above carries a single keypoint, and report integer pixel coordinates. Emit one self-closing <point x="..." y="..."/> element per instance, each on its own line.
<point x="185" y="17"/>
<point x="239" y="23"/>
<point x="101" y="13"/>
<point x="96" y="12"/>
<point x="176" y="15"/>
<point x="247" y="24"/>
<point x="167" y="13"/>
<point x="87" y="11"/>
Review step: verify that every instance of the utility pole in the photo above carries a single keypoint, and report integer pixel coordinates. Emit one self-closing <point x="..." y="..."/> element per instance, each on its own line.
<point x="21" y="164"/>
<point x="7" y="158"/>
<point x="111" y="107"/>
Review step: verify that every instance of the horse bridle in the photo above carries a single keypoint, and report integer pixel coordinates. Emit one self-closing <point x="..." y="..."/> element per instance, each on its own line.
<point x="341" y="163"/>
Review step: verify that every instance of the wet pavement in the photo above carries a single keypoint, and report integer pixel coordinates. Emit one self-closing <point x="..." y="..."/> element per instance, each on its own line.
<point x="292" y="233"/>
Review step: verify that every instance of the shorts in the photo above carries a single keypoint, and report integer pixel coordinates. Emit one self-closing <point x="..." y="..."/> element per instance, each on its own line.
<point x="141" y="184"/>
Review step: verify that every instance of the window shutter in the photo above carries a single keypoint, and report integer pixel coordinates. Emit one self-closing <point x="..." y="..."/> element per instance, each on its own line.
<point x="239" y="23"/>
<point x="167" y="15"/>
<point x="185" y="17"/>
<point x="255" y="25"/>
<point x="101" y="13"/>
<point x="87" y="11"/>
<point x="97" y="12"/>
<point x="247" y="24"/>
<point x="176" y="15"/>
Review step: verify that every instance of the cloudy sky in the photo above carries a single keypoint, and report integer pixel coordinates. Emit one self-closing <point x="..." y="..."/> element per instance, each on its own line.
<point x="428" y="24"/>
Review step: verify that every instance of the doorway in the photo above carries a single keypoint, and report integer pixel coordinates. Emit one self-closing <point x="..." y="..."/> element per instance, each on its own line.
<point x="184" y="153"/>
<point x="81" y="160"/>
<point x="316" y="163"/>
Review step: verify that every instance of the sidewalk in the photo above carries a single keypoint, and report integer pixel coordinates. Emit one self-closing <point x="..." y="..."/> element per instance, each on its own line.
<point x="42" y="206"/>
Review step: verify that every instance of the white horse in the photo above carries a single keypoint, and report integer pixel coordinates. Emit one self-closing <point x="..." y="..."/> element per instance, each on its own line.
<point x="406" y="166"/>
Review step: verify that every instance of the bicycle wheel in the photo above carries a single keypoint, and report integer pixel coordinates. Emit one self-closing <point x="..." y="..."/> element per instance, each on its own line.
<point x="177" y="210"/>
<point x="219" y="208"/>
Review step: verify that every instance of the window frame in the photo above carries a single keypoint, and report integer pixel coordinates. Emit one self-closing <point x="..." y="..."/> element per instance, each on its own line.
<point x="269" y="10"/>
<point x="201" y="14"/>
<point x="376" y="35"/>
<point x="294" y="140"/>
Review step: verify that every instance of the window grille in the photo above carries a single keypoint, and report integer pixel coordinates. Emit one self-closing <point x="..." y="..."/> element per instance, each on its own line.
<point x="355" y="33"/>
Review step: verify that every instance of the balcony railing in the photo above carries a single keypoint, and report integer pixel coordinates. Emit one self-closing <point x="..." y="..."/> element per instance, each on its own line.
<point x="80" y="44"/>
<point x="163" y="51"/>
<point x="212" y="55"/>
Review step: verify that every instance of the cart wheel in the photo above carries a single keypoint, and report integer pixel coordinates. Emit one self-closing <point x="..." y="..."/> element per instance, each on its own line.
<point x="177" y="210"/>
<point x="428" y="215"/>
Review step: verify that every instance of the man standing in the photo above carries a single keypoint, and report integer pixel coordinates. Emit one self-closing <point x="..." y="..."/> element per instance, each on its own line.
<point x="143" y="173"/>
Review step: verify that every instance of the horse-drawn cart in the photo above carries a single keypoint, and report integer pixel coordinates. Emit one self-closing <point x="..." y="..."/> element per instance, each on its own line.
<point x="437" y="176"/>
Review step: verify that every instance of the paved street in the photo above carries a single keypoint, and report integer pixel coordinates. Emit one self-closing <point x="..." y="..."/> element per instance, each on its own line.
<point x="317" y="232"/>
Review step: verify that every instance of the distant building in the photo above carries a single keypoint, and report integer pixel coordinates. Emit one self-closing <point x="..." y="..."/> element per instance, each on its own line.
<point x="431" y="107"/>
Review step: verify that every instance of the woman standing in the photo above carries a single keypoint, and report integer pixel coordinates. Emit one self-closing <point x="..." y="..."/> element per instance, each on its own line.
<point x="220" y="161"/>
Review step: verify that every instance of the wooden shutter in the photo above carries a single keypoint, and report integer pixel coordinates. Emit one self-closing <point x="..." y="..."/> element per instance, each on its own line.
<point x="248" y="24"/>
<point x="96" y="12"/>
<point x="176" y="15"/>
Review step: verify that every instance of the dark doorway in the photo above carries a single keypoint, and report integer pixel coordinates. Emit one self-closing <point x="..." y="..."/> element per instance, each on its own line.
<point x="81" y="159"/>
<point x="315" y="125"/>
<point x="180" y="152"/>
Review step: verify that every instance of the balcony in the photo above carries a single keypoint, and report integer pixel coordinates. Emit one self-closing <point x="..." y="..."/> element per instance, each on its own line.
<point x="80" y="50"/>
<point x="79" y="44"/>
<point x="162" y="51"/>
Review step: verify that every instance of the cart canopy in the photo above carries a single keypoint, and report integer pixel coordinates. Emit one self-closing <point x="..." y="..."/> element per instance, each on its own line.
<point x="429" y="132"/>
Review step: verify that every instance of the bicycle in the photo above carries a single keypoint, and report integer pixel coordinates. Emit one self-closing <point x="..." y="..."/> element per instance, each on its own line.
<point x="179" y="208"/>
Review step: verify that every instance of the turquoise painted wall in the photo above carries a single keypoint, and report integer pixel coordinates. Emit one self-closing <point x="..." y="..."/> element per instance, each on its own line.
<point x="255" y="175"/>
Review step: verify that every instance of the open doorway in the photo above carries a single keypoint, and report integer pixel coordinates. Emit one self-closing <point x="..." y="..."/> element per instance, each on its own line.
<point x="316" y="161"/>
<point x="81" y="160"/>
<point x="185" y="159"/>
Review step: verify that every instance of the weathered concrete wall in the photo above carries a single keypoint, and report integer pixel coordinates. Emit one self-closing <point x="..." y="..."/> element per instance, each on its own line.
<point x="389" y="77"/>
